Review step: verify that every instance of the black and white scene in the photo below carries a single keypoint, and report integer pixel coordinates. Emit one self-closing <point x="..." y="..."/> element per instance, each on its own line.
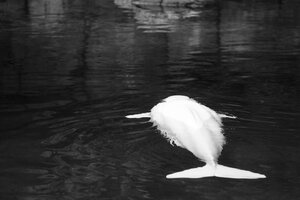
<point x="149" y="100"/>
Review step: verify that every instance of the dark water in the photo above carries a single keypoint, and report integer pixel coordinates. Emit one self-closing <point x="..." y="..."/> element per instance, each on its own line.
<point x="72" y="69"/>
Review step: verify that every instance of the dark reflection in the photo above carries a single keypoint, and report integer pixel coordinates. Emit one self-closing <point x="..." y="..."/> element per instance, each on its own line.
<point x="72" y="69"/>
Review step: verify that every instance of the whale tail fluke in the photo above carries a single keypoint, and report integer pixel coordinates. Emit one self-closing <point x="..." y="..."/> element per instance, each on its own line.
<point x="218" y="171"/>
<point x="199" y="172"/>
<point x="229" y="172"/>
<point x="141" y="115"/>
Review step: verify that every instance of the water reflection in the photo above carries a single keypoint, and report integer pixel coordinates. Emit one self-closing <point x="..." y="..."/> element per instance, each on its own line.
<point x="72" y="69"/>
<point x="158" y="18"/>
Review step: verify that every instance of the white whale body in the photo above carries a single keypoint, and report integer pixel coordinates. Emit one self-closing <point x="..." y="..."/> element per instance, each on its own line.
<point x="197" y="128"/>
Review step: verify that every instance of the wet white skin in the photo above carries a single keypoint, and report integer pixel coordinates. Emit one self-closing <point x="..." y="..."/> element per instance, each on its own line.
<point x="197" y="128"/>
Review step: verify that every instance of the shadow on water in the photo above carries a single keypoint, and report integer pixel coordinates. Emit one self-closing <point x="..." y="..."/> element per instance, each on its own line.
<point x="72" y="69"/>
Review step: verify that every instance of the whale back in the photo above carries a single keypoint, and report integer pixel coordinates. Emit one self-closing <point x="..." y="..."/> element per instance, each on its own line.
<point x="190" y="125"/>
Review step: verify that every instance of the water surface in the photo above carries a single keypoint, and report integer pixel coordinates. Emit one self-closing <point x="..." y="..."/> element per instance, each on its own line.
<point x="71" y="71"/>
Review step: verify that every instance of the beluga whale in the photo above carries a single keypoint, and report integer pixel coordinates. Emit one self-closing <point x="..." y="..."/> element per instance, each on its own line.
<point x="197" y="128"/>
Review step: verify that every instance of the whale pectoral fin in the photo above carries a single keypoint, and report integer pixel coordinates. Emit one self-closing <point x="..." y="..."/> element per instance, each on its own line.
<point x="199" y="172"/>
<point x="229" y="172"/>
<point x="227" y="116"/>
<point x="141" y="115"/>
